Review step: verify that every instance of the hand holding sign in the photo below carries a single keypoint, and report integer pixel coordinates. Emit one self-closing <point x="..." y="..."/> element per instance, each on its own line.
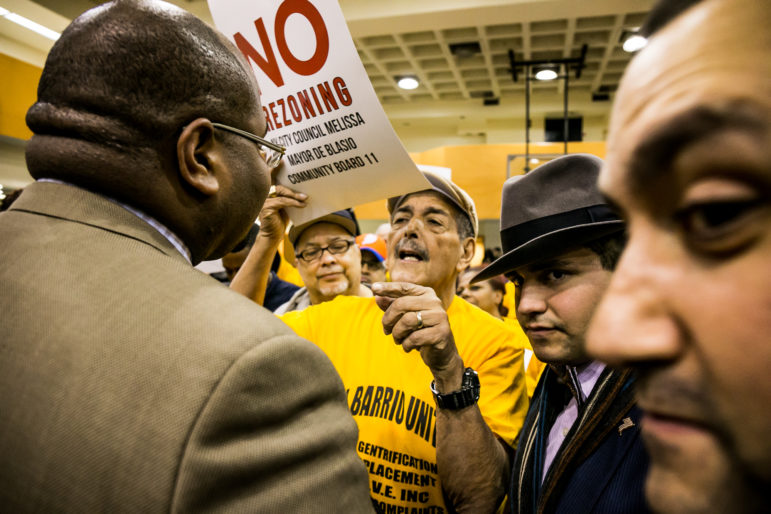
<point x="273" y="216"/>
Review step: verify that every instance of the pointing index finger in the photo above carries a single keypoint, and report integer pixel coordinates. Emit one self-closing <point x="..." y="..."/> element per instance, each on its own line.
<point x="397" y="289"/>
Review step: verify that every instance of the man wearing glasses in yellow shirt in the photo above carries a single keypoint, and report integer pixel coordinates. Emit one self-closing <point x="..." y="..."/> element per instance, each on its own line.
<point x="324" y="253"/>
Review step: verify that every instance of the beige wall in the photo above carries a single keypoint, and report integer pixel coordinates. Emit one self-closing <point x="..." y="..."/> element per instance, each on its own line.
<point x="13" y="169"/>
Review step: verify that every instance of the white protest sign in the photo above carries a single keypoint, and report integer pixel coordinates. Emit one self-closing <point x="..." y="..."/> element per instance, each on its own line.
<point x="319" y="103"/>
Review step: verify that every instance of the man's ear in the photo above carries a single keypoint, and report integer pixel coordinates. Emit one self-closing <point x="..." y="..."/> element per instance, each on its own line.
<point x="198" y="156"/>
<point x="467" y="247"/>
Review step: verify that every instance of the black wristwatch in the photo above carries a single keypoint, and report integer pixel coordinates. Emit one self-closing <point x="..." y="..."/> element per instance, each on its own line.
<point x="467" y="395"/>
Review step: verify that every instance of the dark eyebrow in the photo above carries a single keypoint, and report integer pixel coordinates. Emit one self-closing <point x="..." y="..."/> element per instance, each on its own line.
<point x="435" y="210"/>
<point x="551" y="263"/>
<point x="654" y="156"/>
<point x="402" y="208"/>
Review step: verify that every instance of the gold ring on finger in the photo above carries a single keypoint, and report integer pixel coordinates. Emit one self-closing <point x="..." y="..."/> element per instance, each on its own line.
<point x="420" y="321"/>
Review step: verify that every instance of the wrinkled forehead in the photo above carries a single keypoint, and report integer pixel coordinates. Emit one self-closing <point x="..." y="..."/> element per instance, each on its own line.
<point x="713" y="56"/>
<point x="426" y="201"/>
<point x="420" y="204"/>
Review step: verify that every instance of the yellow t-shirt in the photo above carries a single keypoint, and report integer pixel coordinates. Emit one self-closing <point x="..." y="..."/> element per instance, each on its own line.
<point x="389" y="396"/>
<point x="510" y="300"/>
<point x="289" y="273"/>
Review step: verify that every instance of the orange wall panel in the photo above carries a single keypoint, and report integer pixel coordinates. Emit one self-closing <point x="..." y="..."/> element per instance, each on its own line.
<point x="18" y="91"/>
<point x="481" y="171"/>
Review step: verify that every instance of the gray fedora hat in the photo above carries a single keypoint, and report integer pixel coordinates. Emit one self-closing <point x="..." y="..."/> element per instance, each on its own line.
<point x="550" y="210"/>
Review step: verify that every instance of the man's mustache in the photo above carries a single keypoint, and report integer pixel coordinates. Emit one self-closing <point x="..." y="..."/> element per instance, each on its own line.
<point x="413" y="247"/>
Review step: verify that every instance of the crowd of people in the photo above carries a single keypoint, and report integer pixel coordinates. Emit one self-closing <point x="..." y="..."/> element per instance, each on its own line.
<point x="627" y="374"/>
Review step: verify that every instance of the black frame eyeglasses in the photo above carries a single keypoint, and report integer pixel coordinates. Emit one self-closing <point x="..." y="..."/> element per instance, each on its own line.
<point x="271" y="152"/>
<point x="336" y="247"/>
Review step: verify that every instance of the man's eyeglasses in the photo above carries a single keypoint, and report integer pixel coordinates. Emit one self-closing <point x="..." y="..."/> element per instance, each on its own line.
<point x="271" y="152"/>
<point x="336" y="247"/>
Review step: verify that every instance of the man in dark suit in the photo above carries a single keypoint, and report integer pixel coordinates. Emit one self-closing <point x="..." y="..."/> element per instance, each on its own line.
<point x="579" y="450"/>
<point x="128" y="380"/>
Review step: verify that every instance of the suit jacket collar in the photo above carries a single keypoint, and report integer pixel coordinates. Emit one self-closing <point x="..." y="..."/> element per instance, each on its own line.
<point x="81" y="206"/>
<point x="610" y="400"/>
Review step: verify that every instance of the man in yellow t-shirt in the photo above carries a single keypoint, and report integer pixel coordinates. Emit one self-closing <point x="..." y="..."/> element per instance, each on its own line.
<point x="437" y="425"/>
<point x="388" y="391"/>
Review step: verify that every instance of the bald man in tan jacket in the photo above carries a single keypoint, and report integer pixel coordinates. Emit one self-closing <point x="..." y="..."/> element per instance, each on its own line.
<point x="129" y="381"/>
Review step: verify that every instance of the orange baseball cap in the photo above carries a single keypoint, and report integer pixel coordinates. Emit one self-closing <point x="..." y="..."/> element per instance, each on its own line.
<point x="373" y="244"/>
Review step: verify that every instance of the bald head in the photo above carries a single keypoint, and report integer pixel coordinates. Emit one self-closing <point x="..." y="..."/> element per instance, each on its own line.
<point x="125" y="108"/>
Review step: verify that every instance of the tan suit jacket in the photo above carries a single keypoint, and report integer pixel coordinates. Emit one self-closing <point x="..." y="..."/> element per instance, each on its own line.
<point x="131" y="382"/>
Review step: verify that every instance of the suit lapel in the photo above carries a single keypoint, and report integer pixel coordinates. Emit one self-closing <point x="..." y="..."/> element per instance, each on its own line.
<point x="521" y="495"/>
<point x="547" y="403"/>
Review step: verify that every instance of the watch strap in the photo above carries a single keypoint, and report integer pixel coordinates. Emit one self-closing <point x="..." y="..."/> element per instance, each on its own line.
<point x="467" y="395"/>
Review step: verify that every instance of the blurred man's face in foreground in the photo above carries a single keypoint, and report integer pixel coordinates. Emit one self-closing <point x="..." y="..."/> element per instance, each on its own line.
<point x="689" y="165"/>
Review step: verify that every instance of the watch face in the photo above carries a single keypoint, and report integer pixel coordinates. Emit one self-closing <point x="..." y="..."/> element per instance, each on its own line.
<point x="472" y="376"/>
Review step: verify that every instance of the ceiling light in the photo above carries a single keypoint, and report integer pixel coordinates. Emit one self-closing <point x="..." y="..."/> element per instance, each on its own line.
<point x="631" y="40"/>
<point x="534" y="161"/>
<point x="29" y="24"/>
<point x="634" y="43"/>
<point x="407" y="82"/>
<point x="546" y="74"/>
